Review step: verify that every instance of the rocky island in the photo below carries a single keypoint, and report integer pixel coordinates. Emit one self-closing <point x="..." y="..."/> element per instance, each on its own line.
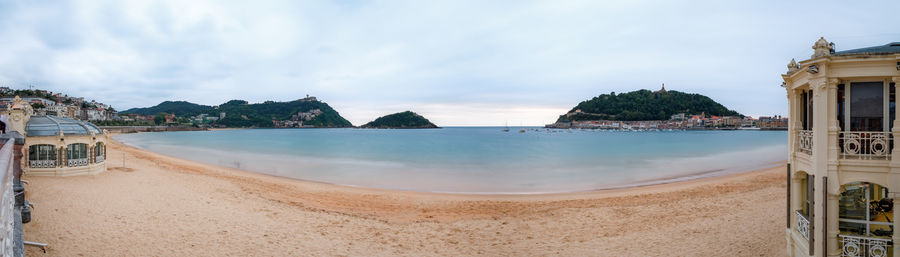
<point x="400" y="120"/>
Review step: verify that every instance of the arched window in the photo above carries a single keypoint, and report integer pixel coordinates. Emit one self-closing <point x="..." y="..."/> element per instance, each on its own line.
<point x="99" y="152"/>
<point x="42" y="156"/>
<point x="77" y="154"/>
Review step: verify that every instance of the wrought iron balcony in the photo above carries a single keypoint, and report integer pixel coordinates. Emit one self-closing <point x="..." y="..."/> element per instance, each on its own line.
<point x="78" y="162"/>
<point x="858" y="246"/>
<point x="802" y="225"/>
<point x="866" y="145"/>
<point x="42" y="163"/>
<point x="806" y="141"/>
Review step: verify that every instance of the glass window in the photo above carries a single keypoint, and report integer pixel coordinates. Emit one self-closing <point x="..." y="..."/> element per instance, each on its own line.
<point x="98" y="149"/>
<point x="840" y="106"/>
<point x="76" y="151"/>
<point x="867" y="106"/>
<point x="809" y="109"/>
<point x="41" y="152"/>
<point x="891" y="108"/>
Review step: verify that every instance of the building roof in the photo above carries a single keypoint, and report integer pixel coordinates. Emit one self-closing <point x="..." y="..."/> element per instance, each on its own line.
<point x="891" y="48"/>
<point x="52" y="125"/>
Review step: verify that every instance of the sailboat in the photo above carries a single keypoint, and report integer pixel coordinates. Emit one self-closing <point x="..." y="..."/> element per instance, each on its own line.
<point x="506" y="129"/>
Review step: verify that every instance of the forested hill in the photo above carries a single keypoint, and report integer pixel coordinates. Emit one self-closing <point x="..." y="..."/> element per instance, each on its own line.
<point x="240" y="113"/>
<point x="405" y="119"/>
<point x="180" y="108"/>
<point x="645" y="105"/>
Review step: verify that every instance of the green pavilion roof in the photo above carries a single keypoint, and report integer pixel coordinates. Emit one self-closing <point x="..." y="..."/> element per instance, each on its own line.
<point x="891" y="48"/>
<point x="52" y="125"/>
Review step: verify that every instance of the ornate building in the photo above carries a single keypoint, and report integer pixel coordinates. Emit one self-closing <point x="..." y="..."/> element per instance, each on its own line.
<point x="843" y="172"/>
<point x="57" y="146"/>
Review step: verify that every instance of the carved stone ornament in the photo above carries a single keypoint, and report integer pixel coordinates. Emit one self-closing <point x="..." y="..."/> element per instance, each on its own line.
<point x="813" y="69"/>
<point x="793" y="66"/>
<point x="818" y="88"/>
<point x="822" y="48"/>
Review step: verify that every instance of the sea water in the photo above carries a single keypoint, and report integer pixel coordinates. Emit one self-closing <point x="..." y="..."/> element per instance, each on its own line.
<point x="475" y="160"/>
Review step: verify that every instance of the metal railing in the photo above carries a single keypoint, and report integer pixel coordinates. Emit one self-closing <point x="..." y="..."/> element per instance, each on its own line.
<point x="866" y="145"/>
<point x="7" y="204"/>
<point x="99" y="159"/>
<point x="78" y="162"/>
<point x="42" y="163"/>
<point x="802" y="225"/>
<point x="805" y="138"/>
<point x="859" y="246"/>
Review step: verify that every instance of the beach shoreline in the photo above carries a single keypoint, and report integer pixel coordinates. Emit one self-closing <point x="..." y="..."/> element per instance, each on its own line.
<point x="681" y="176"/>
<point x="159" y="199"/>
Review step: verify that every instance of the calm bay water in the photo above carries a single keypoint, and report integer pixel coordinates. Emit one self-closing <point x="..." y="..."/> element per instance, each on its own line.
<point x="475" y="160"/>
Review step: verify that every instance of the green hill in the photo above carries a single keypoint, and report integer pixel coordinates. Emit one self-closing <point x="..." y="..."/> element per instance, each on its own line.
<point x="240" y="113"/>
<point x="405" y="119"/>
<point x="180" y="108"/>
<point x="645" y="105"/>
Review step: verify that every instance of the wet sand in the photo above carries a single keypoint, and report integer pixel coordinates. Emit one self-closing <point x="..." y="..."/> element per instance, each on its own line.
<point x="164" y="206"/>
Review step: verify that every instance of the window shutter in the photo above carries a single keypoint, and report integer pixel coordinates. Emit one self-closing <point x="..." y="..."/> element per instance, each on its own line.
<point x="811" y="202"/>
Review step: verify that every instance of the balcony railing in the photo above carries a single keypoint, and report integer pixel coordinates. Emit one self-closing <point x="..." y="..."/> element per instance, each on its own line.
<point x="78" y="162"/>
<point x="42" y="163"/>
<point x="806" y="141"/>
<point x="99" y="159"/>
<point x="866" y="145"/>
<point x="858" y="246"/>
<point x="802" y="225"/>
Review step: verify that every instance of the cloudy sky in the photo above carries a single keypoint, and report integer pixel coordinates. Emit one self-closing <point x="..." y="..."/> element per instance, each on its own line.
<point x="456" y="62"/>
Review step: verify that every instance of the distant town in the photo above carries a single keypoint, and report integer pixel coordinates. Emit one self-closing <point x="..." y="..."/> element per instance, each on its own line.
<point x="680" y="121"/>
<point x="58" y="104"/>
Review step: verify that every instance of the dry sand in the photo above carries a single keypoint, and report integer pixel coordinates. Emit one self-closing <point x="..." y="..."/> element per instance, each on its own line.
<point x="164" y="206"/>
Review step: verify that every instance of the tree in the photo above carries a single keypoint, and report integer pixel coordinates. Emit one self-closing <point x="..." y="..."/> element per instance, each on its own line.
<point x="160" y="118"/>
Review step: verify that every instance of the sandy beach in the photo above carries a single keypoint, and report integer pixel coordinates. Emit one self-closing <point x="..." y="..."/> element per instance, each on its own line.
<point x="164" y="206"/>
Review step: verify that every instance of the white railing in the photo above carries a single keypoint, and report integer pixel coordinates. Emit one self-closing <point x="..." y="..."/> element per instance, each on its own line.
<point x="806" y="141"/>
<point x="858" y="246"/>
<point x="42" y="163"/>
<point x="802" y="225"/>
<point x="78" y="162"/>
<point x="866" y="145"/>
<point x="99" y="159"/>
<point x="7" y="204"/>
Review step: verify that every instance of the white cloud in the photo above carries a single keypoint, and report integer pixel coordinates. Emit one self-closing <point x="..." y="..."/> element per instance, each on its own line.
<point x="456" y="62"/>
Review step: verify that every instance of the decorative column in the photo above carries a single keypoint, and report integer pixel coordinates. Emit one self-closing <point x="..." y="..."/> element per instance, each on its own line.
<point x="895" y="152"/>
<point x="820" y="167"/>
<point x="61" y="157"/>
<point x="833" y="126"/>
<point x="896" y="237"/>
<point x="792" y="102"/>
<point x="831" y="203"/>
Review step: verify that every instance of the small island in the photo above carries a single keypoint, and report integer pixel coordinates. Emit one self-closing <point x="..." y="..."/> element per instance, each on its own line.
<point x="400" y="120"/>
